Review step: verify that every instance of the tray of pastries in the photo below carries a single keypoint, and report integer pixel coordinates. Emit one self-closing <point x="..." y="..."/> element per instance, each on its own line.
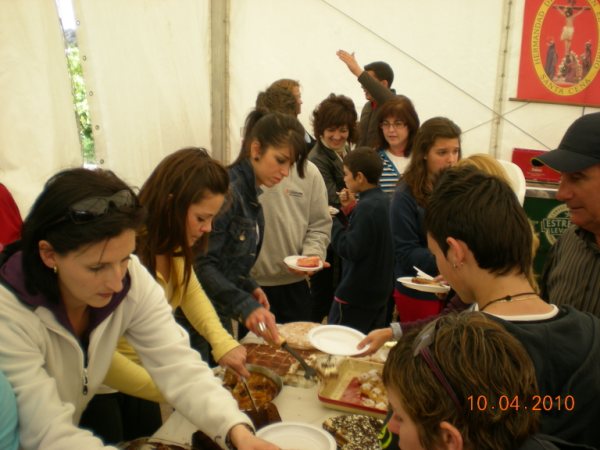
<point x="357" y="388"/>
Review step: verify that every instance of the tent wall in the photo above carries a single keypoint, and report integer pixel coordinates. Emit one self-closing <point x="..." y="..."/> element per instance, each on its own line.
<point x="147" y="70"/>
<point x="38" y="132"/>
<point x="148" y="66"/>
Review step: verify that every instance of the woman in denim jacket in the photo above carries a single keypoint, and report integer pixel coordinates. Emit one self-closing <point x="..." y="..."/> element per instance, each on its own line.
<point x="272" y="143"/>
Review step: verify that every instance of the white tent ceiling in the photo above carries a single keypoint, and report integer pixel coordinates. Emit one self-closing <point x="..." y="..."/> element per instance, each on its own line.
<point x="148" y="69"/>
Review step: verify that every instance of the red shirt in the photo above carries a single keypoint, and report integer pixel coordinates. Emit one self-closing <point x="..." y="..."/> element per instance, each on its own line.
<point x="10" y="218"/>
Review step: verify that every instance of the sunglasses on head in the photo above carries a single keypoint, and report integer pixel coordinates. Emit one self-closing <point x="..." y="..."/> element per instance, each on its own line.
<point x="422" y="346"/>
<point x="91" y="208"/>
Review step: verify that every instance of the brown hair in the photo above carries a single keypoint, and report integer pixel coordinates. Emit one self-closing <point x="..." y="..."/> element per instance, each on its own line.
<point x="289" y="85"/>
<point x="494" y="225"/>
<point x="400" y="108"/>
<point x="274" y="129"/>
<point x="277" y="99"/>
<point x="335" y="111"/>
<point x="181" y="179"/>
<point x="415" y="175"/>
<point x="490" y="165"/>
<point x="480" y="359"/>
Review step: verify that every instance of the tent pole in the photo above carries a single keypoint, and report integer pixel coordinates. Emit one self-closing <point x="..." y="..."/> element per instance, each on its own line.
<point x="219" y="79"/>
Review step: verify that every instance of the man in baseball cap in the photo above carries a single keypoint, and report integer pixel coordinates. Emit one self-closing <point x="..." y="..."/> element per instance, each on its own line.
<point x="572" y="271"/>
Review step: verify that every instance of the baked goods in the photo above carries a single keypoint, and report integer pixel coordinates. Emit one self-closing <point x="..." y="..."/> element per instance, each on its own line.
<point x="355" y="431"/>
<point x="296" y="334"/>
<point x="308" y="261"/>
<point x="419" y="280"/>
<point x="279" y="361"/>
<point x="262" y="388"/>
<point x="372" y="390"/>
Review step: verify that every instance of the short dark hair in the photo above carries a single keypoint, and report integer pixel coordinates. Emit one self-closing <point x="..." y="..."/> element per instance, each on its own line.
<point x="335" y="111"/>
<point x="49" y="220"/>
<point x="479" y="358"/>
<point x="382" y="70"/>
<point x="400" y="108"/>
<point x="274" y="129"/>
<point x="482" y="211"/>
<point x="365" y="160"/>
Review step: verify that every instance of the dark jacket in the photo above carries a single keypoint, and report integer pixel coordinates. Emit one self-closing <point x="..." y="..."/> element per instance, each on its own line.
<point x="233" y="246"/>
<point x="543" y="442"/>
<point x="410" y="241"/>
<point x="332" y="169"/>
<point x="369" y="122"/>
<point x="565" y="351"/>
<point x="366" y="248"/>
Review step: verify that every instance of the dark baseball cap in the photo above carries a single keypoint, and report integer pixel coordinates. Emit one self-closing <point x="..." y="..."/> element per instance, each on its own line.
<point x="579" y="148"/>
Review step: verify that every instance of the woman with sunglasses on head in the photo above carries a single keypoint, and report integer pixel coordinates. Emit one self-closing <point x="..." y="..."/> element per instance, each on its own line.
<point x="273" y="142"/>
<point x="398" y="124"/>
<point x="481" y="397"/>
<point x="184" y="192"/>
<point x="71" y="287"/>
<point x="436" y="147"/>
<point x="484" y="252"/>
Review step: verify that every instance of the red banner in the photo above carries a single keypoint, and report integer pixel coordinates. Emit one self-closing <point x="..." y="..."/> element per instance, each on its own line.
<point x="560" y="56"/>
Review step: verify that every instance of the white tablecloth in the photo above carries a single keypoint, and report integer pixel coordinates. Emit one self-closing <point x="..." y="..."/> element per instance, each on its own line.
<point x="294" y="404"/>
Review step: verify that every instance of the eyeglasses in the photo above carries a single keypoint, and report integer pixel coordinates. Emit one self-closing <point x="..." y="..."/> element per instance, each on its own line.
<point x="422" y="346"/>
<point x="395" y="125"/>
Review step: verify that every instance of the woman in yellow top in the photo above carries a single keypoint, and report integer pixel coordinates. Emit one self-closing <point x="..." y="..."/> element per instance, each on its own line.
<point x="182" y="195"/>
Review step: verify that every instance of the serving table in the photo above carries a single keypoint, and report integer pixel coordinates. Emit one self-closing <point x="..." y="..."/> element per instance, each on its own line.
<point x="294" y="404"/>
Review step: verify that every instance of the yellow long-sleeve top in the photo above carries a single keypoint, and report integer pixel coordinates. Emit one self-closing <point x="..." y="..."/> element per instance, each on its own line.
<point x="127" y="375"/>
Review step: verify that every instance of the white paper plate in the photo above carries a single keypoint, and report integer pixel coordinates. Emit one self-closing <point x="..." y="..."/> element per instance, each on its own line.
<point x="291" y="261"/>
<point x="333" y="211"/>
<point x="296" y="435"/>
<point x="434" y="288"/>
<point x="336" y="340"/>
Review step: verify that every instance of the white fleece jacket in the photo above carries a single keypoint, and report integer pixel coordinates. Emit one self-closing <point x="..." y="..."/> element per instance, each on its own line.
<point x="297" y="222"/>
<point x="45" y="365"/>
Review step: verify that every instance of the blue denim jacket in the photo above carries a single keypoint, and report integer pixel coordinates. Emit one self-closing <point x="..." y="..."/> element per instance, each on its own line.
<point x="233" y="246"/>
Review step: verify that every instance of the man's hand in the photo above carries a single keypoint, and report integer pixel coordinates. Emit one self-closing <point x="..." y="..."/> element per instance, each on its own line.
<point x="350" y="61"/>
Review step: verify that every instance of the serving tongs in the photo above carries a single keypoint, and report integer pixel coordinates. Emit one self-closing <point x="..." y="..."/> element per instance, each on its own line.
<point x="309" y="372"/>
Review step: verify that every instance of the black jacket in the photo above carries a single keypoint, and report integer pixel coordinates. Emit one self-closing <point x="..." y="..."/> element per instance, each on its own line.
<point x="565" y="351"/>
